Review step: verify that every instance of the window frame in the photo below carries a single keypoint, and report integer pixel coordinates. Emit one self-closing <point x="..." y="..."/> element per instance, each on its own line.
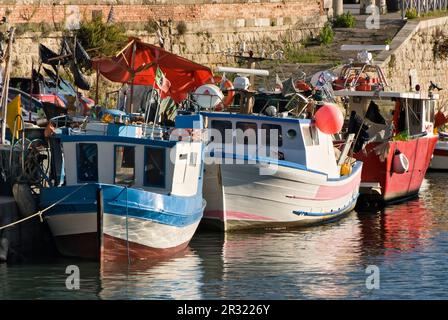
<point x="236" y="133"/>
<point x="78" y="150"/>
<point x="115" y="164"/>
<point x="145" y="178"/>
<point x="280" y="131"/>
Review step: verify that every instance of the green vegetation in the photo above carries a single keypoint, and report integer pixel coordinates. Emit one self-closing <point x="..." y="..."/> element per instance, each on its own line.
<point x="411" y="13"/>
<point x="181" y="27"/>
<point x="440" y="49"/>
<point x="345" y="20"/>
<point x="326" y="35"/>
<point x="151" y="26"/>
<point x="108" y="39"/>
<point x="296" y="54"/>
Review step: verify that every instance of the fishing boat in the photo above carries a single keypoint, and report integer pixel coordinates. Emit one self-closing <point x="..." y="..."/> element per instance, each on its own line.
<point x="124" y="194"/>
<point x="277" y="171"/>
<point x="123" y="189"/>
<point x="394" y="130"/>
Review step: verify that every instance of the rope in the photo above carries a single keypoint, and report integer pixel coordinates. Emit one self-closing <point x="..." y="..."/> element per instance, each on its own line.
<point x="40" y="212"/>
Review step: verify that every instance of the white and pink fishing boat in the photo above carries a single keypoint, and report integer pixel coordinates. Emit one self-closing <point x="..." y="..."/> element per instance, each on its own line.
<point x="302" y="182"/>
<point x="439" y="160"/>
<point x="302" y="186"/>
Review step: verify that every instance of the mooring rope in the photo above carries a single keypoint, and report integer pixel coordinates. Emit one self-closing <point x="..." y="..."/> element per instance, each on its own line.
<point x="40" y="212"/>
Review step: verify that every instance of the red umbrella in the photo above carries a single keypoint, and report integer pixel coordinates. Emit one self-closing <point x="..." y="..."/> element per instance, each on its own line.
<point x="137" y="64"/>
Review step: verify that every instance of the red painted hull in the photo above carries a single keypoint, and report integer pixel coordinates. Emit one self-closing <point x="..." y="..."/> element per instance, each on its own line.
<point x="394" y="185"/>
<point x="116" y="250"/>
<point x="85" y="246"/>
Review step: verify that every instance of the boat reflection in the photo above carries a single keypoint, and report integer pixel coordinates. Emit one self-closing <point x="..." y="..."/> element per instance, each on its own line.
<point x="309" y="263"/>
<point x="396" y="229"/>
<point x="175" y="278"/>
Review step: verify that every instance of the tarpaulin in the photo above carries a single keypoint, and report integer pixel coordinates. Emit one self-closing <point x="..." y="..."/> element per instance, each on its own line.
<point x="137" y="64"/>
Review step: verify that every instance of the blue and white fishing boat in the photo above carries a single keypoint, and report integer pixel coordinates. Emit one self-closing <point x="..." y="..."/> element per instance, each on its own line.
<point x="124" y="193"/>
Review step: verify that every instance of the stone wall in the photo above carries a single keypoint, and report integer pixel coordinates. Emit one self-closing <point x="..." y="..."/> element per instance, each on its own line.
<point x="414" y="48"/>
<point x="213" y="27"/>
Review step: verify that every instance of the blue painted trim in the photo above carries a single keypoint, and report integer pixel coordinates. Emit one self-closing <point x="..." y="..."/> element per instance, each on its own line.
<point x="334" y="213"/>
<point x="115" y="160"/>
<point x="117" y="139"/>
<point x="227" y="115"/>
<point x="145" y="179"/>
<point x="140" y="204"/>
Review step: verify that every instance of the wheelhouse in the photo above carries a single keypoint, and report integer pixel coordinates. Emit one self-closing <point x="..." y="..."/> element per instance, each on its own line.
<point x="289" y="139"/>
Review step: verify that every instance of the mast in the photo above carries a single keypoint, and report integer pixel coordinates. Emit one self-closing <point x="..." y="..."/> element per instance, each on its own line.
<point x="131" y="102"/>
<point x="5" y="88"/>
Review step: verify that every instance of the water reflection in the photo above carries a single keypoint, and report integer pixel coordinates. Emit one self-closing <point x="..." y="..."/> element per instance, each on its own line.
<point x="408" y="242"/>
<point x="178" y="277"/>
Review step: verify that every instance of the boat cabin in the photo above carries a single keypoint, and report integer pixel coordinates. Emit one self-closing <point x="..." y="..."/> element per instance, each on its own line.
<point x="258" y="137"/>
<point x="392" y="114"/>
<point x="110" y="153"/>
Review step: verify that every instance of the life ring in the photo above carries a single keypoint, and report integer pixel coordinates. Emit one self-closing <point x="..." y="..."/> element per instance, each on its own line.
<point x="228" y="86"/>
<point x="400" y="163"/>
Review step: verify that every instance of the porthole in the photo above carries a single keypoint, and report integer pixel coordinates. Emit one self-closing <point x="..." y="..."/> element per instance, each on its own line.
<point x="291" y="133"/>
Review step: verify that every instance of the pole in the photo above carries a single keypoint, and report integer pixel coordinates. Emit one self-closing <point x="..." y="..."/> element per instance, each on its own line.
<point x="97" y="83"/>
<point x="134" y="48"/>
<point x="5" y="89"/>
<point x="99" y="221"/>
<point x="156" y="116"/>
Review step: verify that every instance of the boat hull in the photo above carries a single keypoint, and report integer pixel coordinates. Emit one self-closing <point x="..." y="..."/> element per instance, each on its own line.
<point x="440" y="158"/>
<point x="135" y="231"/>
<point x="393" y="186"/>
<point x="239" y="198"/>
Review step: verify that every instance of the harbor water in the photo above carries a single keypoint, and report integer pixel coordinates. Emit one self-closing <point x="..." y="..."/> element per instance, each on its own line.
<point x="406" y="244"/>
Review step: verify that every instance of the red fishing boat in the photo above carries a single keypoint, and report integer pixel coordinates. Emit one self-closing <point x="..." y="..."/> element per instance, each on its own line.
<point x="394" y="131"/>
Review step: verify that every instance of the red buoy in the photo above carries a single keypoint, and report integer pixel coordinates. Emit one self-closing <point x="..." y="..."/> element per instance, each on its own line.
<point x="329" y="118"/>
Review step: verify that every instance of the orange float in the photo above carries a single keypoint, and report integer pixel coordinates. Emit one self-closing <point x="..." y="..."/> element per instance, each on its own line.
<point x="302" y="85"/>
<point x="228" y="98"/>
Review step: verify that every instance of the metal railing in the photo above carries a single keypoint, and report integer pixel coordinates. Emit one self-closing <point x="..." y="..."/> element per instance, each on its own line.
<point x="423" y="6"/>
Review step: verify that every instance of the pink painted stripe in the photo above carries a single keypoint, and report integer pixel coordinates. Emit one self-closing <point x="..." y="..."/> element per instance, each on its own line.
<point x="331" y="192"/>
<point x="235" y="215"/>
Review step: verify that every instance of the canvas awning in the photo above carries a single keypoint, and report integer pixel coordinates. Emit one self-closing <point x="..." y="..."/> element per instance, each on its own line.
<point x="137" y="64"/>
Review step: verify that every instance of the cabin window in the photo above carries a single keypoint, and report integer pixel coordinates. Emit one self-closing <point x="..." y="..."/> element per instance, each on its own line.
<point x="430" y="105"/>
<point x="415" y="116"/>
<point x="247" y="133"/>
<point x="154" y="167"/>
<point x="87" y="154"/>
<point x="266" y="132"/>
<point x="124" y="165"/>
<point x="310" y="135"/>
<point x="222" y="126"/>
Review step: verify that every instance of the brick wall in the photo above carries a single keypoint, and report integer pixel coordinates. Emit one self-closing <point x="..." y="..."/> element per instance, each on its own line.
<point x="176" y="11"/>
<point x="213" y="26"/>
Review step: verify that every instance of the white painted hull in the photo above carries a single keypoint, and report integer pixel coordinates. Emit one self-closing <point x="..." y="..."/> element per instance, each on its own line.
<point x="440" y="156"/>
<point x="74" y="233"/>
<point x="238" y="197"/>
